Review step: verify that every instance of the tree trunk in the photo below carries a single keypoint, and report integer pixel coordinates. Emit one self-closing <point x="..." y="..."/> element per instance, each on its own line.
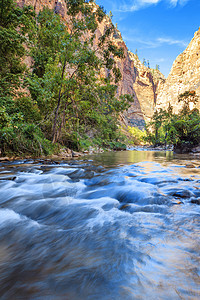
<point x="54" y="135"/>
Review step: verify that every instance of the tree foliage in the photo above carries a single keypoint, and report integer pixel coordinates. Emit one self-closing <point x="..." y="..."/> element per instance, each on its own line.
<point x="67" y="77"/>
<point x="70" y="91"/>
<point x="182" y="129"/>
<point x="15" y="29"/>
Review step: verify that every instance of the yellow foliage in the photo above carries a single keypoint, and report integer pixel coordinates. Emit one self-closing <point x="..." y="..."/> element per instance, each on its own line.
<point x="137" y="135"/>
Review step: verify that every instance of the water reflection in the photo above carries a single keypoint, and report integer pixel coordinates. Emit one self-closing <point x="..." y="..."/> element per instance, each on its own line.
<point x="129" y="157"/>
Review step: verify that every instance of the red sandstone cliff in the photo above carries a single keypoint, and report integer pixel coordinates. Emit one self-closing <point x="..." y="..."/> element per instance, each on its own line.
<point x="137" y="80"/>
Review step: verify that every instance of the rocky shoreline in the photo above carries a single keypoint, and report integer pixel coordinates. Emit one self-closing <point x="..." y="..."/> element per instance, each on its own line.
<point x="67" y="153"/>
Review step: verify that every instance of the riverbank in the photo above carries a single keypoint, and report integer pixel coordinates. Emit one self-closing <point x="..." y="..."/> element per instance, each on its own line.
<point x="66" y="153"/>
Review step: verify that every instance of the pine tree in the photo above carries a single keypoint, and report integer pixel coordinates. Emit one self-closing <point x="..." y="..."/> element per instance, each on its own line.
<point x="157" y="67"/>
<point x="144" y="62"/>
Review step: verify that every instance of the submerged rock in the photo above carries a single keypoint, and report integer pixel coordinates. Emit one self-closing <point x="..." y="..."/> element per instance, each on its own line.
<point x="8" y="177"/>
<point x="124" y="206"/>
<point x="180" y="193"/>
<point x="186" y="148"/>
<point x="76" y="154"/>
<point x="196" y="149"/>
<point x="195" y="201"/>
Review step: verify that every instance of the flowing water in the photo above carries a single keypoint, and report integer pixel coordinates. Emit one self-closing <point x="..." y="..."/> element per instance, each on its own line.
<point x="116" y="226"/>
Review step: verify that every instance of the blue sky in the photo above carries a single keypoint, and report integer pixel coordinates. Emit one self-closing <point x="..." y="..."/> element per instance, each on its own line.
<point x="159" y="29"/>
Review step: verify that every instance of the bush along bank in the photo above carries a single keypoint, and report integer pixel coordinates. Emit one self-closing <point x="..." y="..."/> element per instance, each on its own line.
<point x="182" y="130"/>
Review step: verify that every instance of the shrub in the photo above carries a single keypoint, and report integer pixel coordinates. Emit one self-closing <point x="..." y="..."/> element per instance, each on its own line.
<point x="137" y="136"/>
<point x="24" y="139"/>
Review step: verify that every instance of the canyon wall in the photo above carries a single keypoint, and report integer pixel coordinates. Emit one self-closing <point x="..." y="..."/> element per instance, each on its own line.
<point x="184" y="76"/>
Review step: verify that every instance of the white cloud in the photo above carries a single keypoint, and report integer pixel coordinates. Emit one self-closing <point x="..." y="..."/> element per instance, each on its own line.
<point x="171" y="41"/>
<point x="135" y="5"/>
<point x="174" y="2"/>
<point x="155" y="43"/>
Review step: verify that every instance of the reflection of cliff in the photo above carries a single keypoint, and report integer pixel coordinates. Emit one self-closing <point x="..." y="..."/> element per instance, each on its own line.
<point x="184" y="76"/>
<point x="136" y="80"/>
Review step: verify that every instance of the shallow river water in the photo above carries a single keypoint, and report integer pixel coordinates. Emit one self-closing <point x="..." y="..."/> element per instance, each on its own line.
<point x="119" y="226"/>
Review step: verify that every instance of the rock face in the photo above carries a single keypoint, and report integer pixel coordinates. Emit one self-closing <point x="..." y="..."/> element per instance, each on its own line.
<point x="184" y="76"/>
<point x="137" y="80"/>
<point x="146" y="84"/>
<point x="58" y="5"/>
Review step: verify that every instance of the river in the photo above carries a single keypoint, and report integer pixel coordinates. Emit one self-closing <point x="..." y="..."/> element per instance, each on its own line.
<point x="119" y="226"/>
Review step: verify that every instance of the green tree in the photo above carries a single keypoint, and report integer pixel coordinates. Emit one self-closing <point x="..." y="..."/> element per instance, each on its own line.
<point x="144" y="62"/>
<point x="67" y="80"/>
<point x="16" y="25"/>
<point x="157" y="67"/>
<point x="182" y="130"/>
<point x="187" y="98"/>
<point x="18" y="112"/>
<point x="110" y="15"/>
<point x="70" y="88"/>
<point x="154" y="128"/>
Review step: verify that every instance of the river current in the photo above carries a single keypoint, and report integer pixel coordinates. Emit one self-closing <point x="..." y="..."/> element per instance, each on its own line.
<point x="119" y="226"/>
